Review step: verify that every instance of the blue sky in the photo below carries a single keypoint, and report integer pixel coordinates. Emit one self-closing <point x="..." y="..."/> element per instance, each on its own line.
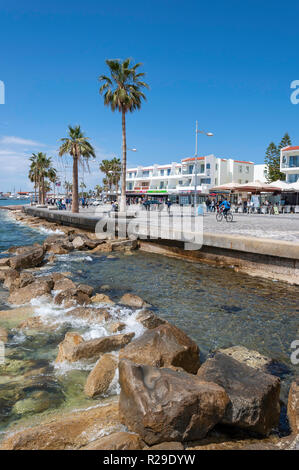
<point x="228" y="64"/>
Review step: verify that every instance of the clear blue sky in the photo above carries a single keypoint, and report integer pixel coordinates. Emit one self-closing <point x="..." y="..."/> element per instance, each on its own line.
<point x="228" y="64"/>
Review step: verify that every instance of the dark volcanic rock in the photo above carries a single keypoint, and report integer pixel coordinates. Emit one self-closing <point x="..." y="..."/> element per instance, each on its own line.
<point x="163" y="405"/>
<point x="254" y="395"/>
<point x="164" y="346"/>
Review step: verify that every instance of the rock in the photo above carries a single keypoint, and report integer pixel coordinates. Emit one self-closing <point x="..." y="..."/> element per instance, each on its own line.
<point x="92" y="348"/>
<point x="149" y="320"/>
<point x="58" y="245"/>
<point x="116" y="326"/>
<point x="132" y="300"/>
<point x="120" y="245"/>
<point x="3" y="335"/>
<point x="21" y="250"/>
<point x="163" y="405"/>
<point x="4" y="261"/>
<point x="78" y="243"/>
<point x="10" y="277"/>
<point x="250" y="358"/>
<point x="30" y="259"/>
<point x="23" y="280"/>
<point x="38" y="401"/>
<point x="69" y="431"/>
<point x="293" y="406"/>
<point x="101" y="376"/>
<point x="66" y="347"/>
<point x="27" y="293"/>
<point x="116" y="441"/>
<point x="98" y="315"/>
<point x="3" y="271"/>
<point x="254" y="395"/>
<point x="101" y="298"/>
<point x="167" y="446"/>
<point x="164" y="346"/>
<point x="35" y="323"/>
<point x="86" y="289"/>
<point x="52" y="259"/>
<point x="64" y="284"/>
<point x="71" y="297"/>
<point x="103" y="247"/>
<point x="105" y="287"/>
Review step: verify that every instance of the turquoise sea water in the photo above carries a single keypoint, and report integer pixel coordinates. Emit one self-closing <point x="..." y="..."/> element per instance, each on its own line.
<point x="215" y="306"/>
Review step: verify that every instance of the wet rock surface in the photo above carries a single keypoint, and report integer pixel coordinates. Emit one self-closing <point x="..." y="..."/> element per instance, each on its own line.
<point x="293" y="406"/>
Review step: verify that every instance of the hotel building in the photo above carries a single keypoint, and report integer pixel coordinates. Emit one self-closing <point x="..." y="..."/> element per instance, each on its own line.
<point x="177" y="181"/>
<point x="289" y="163"/>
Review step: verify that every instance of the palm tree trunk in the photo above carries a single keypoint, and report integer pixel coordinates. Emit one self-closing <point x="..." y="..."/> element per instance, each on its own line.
<point x="123" y="166"/>
<point x="43" y="190"/>
<point x="75" y="198"/>
<point x="35" y="185"/>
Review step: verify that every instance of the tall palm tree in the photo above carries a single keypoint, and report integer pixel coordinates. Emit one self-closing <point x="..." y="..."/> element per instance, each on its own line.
<point x="52" y="175"/>
<point x="98" y="189"/>
<point x="122" y="91"/>
<point x="76" y="145"/>
<point x="32" y="175"/>
<point x="82" y="187"/>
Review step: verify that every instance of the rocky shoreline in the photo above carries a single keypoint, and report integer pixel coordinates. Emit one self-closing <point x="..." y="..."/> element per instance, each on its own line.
<point x="168" y="400"/>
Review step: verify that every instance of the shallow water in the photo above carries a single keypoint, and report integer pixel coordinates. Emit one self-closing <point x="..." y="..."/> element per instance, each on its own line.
<point x="215" y="306"/>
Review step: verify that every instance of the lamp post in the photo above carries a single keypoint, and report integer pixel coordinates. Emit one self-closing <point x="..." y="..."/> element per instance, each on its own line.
<point x="209" y="134"/>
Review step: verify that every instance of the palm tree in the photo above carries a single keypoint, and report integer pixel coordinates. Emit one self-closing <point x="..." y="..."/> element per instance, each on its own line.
<point x="32" y="175"/>
<point x="68" y="187"/>
<point x="106" y="168"/>
<point x="122" y="91"/>
<point x="98" y="189"/>
<point x="116" y="173"/>
<point x="52" y="175"/>
<point x="82" y="187"/>
<point x="76" y="145"/>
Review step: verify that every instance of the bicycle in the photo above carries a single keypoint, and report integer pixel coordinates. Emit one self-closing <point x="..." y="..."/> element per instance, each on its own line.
<point x="228" y="216"/>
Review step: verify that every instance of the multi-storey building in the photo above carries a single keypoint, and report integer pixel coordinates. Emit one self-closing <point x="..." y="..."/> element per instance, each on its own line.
<point x="178" y="180"/>
<point x="289" y="163"/>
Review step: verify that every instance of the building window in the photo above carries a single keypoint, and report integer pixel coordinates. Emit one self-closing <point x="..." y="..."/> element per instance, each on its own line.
<point x="190" y="169"/>
<point x="208" y="166"/>
<point x="145" y="174"/>
<point x="130" y="186"/>
<point x="240" y="169"/>
<point x="205" y="181"/>
<point x="216" y="166"/>
<point x="293" y="178"/>
<point x="202" y="168"/>
<point x="294" y="161"/>
<point x="168" y="171"/>
<point x="247" y="169"/>
<point x="161" y="172"/>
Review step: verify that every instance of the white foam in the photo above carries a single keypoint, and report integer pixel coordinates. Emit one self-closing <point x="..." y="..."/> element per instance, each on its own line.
<point x="49" y="231"/>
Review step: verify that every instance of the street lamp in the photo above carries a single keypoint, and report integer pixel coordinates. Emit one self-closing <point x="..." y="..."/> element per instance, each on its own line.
<point x="209" y="134"/>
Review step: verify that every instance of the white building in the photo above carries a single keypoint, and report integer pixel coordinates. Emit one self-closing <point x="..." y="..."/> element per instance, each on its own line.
<point x="178" y="180"/>
<point x="289" y="163"/>
<point x="260" y="173"/>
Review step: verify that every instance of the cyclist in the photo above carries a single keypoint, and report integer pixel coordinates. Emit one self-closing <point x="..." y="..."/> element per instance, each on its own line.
<point x="226" y="205"/>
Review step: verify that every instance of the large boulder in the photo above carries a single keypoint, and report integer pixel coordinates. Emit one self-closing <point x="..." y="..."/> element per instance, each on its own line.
<point x="117" y="441"/>
<point x="93" y="348"/>
<point x="163" y="405"/>
<point x="78" y="243"/>
<point x="164" y="346"/>
<point x="29" y="292"/>
<point x="101" y="376"/>
<point x="30" y="259"/>
<point x="71" y="297"/>
<point x="4" y="261"/>
<point x="149" y="320"/>
<point x="3" y="335"/>
<point x="293" y="406"/>
<point x="254" y="394"/>
<point x="132" y="300"/>
<point x="86" y="289"/>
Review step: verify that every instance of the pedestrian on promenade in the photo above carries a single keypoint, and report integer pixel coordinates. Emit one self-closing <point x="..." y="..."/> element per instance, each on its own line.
<point x="168" y="205"/>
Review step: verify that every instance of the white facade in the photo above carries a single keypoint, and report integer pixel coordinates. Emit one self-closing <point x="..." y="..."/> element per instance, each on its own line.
<point x="260" y="173"/>
<point x="180" y="178"/>
<point x="289" y="163"/>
